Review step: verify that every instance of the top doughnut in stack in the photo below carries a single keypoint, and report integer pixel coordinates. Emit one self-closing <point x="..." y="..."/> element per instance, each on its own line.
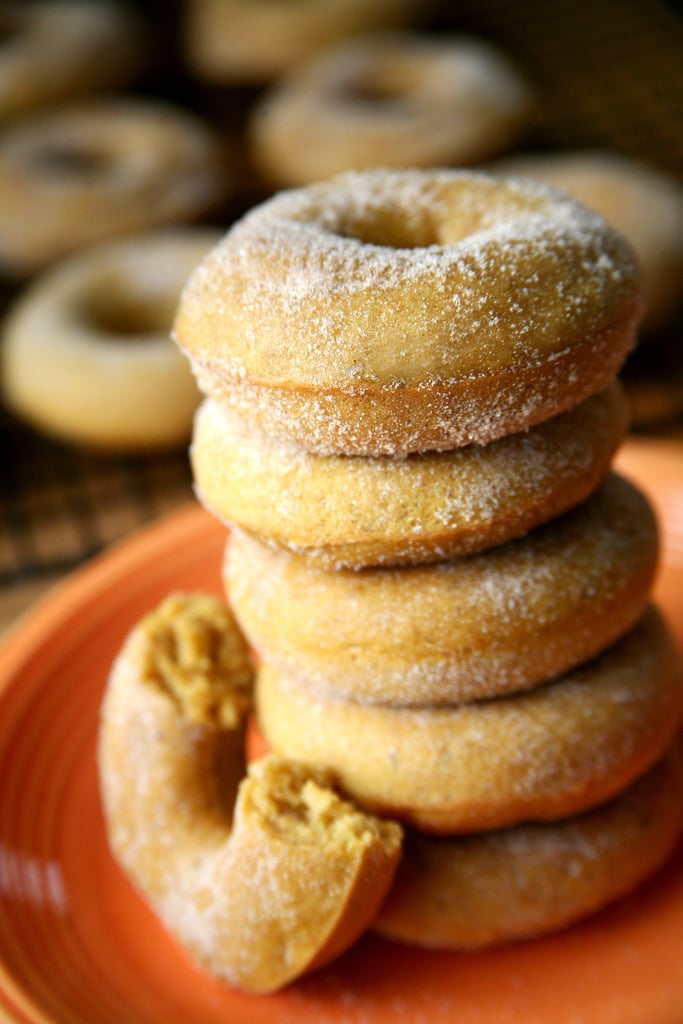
<point x="404" y="368"/>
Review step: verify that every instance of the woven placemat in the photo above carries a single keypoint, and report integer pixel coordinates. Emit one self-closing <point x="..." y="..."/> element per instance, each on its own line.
<point x="609" y="75"/>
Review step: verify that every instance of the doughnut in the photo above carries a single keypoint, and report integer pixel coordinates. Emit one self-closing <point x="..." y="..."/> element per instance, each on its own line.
<point x="229" y="41"/>
<point x="553" y="751"/>
<point x="354" y="511"/>
<point x="57" y="50"/>
<point x="640" y="201"/>
<point x="100" y="170"/>
<point x="262" y="877"/>
<point x="389" y="100"/>
<point x="471" y="892"/>
<point x="463" y="630"/>
<point x="430" y="310"/>
<point x="86" y="353"/>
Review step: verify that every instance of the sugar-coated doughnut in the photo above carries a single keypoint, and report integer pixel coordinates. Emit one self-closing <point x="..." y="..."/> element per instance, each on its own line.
<point x="394" y="100"/>
<point x="354" y="511"/>
<point x="549" y="752"/>
<point x="639" y="200"/>
<point x="259" y="894"/>
<point x="233" y="41"/>
<point x="99" y="170"/>
<point x="466" y="629"/>
<point x="57" y="50"/>
<point x="395" y="311"/>
<point x="470" y="892"/>
<point x="87" y="355"/>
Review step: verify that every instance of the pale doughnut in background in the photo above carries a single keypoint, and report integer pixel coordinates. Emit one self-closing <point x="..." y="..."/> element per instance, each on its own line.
<point x="233" y="41"/>
<point x="639" y="200"/>
<point x="472" y="892"/>
<point x="257" y="888"/>
<point x="549" y="752"/>
<point x="492" y="624"/>
<point x="102" y="169"/>
<point x="390" y="100"/>
<point x="86" y="352"/>
<point x="58" y="50"/>
<point x="389" y="312"/>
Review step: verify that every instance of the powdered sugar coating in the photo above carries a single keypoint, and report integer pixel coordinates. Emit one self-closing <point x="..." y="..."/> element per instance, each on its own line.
<point x="491" y="624"/>
<point x="555" y="750"/>
<point x="351" y="511"/>
<point x="470" y="892"/>
<point x="442" y="296"/>
<point x="258" y="896"/>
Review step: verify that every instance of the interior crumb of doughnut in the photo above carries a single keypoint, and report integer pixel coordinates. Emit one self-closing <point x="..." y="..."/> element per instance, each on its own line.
<point x="296" y="802"/>
<point x="195" y="654"/>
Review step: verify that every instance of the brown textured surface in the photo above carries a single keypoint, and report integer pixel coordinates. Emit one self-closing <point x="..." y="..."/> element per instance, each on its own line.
<point x="495" y="623"/>
<point x="469" y="892"/>
<point x="609" y="75"/>
<point x="553" y="751"/>
<point x="257" y="892"/>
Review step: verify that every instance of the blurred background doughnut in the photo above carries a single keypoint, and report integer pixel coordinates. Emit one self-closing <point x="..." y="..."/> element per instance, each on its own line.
<point x="234" y="41"/>
<point x="641" y="202"/>
<point x="56" y="50"/>
<point x="100" y="170"/>
<point x="399" y="100"/>
<point x="86" y="353"/>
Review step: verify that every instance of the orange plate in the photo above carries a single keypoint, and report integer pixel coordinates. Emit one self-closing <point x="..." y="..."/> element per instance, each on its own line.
<point x="77" y="945"/>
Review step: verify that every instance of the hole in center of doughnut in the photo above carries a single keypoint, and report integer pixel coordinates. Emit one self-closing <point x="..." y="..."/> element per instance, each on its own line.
<point x="125" y="316"/>
<point x="70" y="160"/>
<point x="394" y="229"/>
<point x="376" y="90"/>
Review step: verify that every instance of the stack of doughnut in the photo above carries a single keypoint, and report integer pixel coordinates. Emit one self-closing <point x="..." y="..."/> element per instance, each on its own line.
<point x="411" y="410"/>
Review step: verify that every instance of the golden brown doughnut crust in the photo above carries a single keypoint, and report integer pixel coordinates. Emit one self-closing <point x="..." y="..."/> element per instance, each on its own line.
<point x="398" y="311"/>
<point x="484" y="626"/>
<point x="389" y="100"/>
<point x="558" y="749"/>
<point x="353" y="511"/>
<point x="257" y="893"/>
<point x="99" y="170"/>
<point x="469" y="892"/>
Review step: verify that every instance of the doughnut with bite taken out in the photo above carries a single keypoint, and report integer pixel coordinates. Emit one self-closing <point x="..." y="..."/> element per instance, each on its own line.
<point x="261" y="877"/>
